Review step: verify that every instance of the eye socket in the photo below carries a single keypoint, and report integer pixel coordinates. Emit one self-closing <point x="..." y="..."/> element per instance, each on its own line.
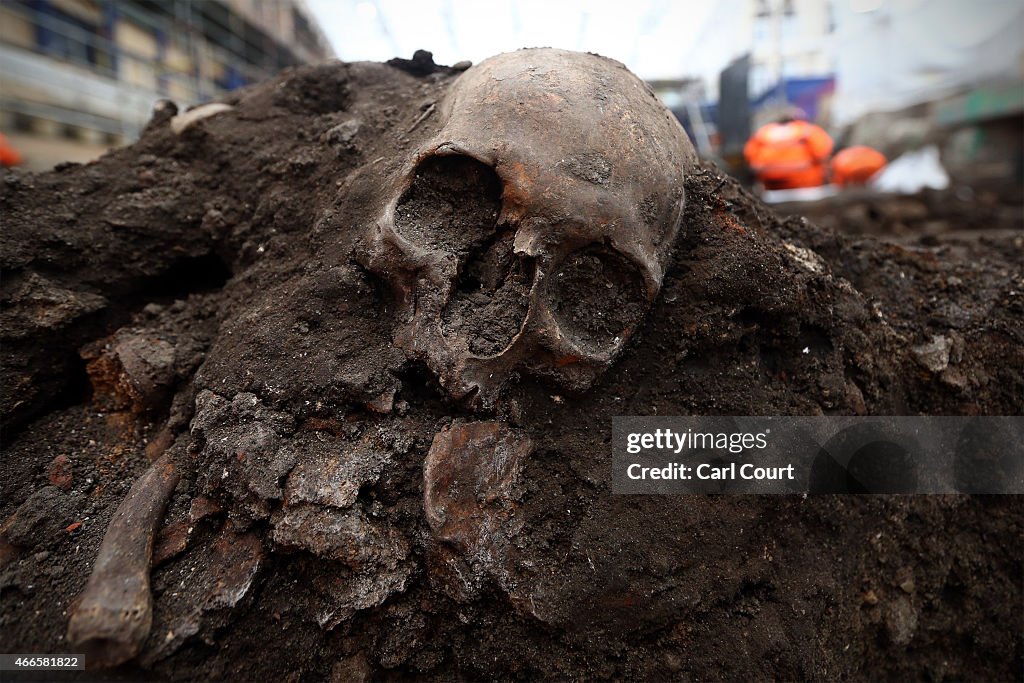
<point x="597" y="296"/>
<point x="452" y="205"/>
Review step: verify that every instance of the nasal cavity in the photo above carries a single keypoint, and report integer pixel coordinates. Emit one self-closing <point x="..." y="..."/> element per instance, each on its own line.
<point x="490" y="301"/>
<point x="452" y="205"/>
<point x="597" y="296"/>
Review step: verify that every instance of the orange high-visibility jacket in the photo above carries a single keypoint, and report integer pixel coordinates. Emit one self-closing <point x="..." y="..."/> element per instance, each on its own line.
<point x="788" y="155"/>
<point x="856" y="165"/>
<point x="8" y="155"/>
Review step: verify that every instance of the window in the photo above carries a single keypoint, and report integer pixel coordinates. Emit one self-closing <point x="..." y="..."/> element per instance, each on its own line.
<point x="63" y="35"/>
<point x="69" y="132"/>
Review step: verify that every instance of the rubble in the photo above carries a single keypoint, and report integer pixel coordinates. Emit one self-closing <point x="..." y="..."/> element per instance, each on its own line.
<point x="232" y="565"/>
<point x="470" y="481"/>
<point x="134" y="370"/>
<point x="934" y="355"/>
<point x="44" y="515"/>
<point x="60" y="473"/>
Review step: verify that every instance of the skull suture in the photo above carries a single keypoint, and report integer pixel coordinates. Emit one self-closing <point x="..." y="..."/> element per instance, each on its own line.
<point x="531" y="232"/>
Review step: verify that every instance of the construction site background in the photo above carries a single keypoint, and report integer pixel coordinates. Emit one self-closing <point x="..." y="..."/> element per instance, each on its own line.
<point x="80" y="76"/>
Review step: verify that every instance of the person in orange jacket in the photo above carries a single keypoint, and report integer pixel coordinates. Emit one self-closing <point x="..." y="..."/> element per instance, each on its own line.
<point x="789" y="154"/>
<point x="856" y="165"/>
<point x="8" y="155"/>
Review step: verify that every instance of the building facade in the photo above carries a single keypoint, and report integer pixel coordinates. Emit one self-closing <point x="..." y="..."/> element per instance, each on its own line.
<point x="80" y="76"/>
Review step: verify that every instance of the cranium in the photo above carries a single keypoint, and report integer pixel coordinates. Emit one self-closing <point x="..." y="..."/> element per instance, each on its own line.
<point x="531" y="232"/>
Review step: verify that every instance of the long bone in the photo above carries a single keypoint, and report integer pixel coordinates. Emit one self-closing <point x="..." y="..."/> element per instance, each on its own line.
<point x="113" y="616"/>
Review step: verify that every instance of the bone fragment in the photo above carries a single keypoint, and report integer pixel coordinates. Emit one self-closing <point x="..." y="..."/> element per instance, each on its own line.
<point x="470" y="497"/>
<point x="113" y="615"/>
<point x="181" y="122"/>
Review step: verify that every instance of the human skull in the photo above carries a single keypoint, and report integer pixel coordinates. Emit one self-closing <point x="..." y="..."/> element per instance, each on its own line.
<point x="531" y="232"/>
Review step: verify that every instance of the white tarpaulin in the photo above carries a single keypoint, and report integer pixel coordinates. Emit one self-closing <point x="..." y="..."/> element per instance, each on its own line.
<point x="912" y="172"/>
<point x="892" y="54"/>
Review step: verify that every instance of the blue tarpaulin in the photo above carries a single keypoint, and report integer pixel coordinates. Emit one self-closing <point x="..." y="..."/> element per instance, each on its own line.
<point x="805" y="93"/>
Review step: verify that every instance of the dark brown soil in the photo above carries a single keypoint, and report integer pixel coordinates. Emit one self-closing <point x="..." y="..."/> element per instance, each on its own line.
<point x="985" y="209"/>
<point x="198" y="293"/>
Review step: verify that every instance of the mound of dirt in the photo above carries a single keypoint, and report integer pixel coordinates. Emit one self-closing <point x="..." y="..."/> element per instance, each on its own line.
<point x="962" y="210"/>
<point x="198" y="294"/>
